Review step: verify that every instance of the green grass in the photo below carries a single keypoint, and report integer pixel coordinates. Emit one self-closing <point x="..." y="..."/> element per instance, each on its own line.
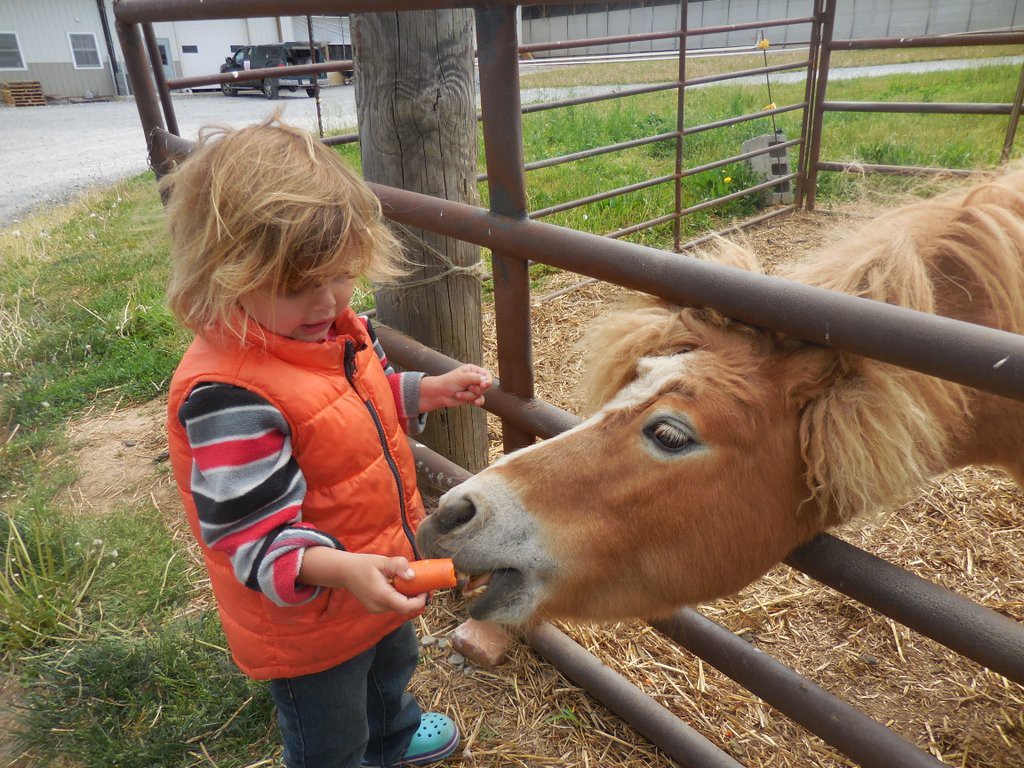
<point x="954" y="141"/>
<point x="104" y="619"/>
<point x="87" y="318"/>
<point x="49" y="568"/>
<point x="83" y="327"/>
<point x="141" y="700"/>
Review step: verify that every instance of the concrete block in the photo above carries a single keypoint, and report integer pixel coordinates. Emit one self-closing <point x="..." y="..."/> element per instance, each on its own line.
<point x="771" y="165"/>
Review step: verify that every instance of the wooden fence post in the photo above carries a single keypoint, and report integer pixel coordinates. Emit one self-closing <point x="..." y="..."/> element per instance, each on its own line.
<point x="416" y="101"/>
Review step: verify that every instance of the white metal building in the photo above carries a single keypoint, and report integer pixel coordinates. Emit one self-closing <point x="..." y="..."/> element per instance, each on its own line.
<point x="68" y="45"/>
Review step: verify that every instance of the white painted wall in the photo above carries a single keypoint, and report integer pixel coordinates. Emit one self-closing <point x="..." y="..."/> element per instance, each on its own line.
<point x="43" y="27"/>
<point x="213" y="39"/>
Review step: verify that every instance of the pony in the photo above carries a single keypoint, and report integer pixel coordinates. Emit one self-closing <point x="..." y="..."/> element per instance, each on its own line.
<point x="715" y="448"/>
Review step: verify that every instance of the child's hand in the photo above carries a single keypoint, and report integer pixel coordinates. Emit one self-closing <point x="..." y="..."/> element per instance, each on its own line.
<point x="369" y="578"/>
<point x="465" y="385"/>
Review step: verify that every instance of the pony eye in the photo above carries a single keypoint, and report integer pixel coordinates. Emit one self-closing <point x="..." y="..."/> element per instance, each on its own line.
<point x="669" y="435"/>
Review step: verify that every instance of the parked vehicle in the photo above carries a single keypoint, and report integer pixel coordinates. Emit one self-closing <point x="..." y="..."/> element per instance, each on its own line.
<point x="270" y="56"/>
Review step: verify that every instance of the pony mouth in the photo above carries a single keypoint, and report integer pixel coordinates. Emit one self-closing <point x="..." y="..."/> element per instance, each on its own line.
<point x="496" y="595"/>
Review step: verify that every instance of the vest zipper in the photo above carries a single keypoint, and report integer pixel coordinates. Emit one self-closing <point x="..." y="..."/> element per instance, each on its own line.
<point x="350" y="373"/>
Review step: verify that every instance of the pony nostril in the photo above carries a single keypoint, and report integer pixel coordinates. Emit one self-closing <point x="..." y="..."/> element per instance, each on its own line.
<point x="455" y="513"/>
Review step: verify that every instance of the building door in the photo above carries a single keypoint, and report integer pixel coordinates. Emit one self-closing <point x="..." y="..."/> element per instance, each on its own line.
<point x="163" y="45"/>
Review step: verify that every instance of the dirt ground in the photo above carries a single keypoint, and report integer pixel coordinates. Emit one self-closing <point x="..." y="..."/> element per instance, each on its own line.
<point x="964" y="532"/>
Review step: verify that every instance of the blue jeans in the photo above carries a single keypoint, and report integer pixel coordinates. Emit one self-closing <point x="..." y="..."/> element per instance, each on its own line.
<point x="356" y="711"/>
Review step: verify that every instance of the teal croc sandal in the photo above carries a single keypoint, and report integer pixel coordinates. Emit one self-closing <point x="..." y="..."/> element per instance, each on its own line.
<point x="435" y="739"/>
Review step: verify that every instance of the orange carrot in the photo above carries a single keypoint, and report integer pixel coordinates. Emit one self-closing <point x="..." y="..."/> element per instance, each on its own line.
<point x="430" y="575"/>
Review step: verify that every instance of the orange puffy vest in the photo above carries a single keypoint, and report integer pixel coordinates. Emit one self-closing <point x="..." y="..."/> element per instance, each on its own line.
<point x="360" y="477"/>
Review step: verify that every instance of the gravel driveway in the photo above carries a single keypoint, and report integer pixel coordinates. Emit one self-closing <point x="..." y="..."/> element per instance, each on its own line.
<point x="50" y="154"/>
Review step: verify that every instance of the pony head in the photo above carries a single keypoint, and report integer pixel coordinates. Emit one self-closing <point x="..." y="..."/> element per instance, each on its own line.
<point x="714" y="448"/>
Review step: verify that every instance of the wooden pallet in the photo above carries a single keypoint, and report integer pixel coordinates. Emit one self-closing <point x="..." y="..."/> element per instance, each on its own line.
<point x="28" y="93"/>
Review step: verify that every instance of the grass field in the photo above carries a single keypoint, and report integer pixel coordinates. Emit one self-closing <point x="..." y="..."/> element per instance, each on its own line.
<point x="112" y="652"/>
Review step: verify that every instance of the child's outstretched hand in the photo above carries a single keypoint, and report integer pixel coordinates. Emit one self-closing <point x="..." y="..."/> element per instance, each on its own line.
<point x="465" y="385"/>
<point x="369" y="578"/>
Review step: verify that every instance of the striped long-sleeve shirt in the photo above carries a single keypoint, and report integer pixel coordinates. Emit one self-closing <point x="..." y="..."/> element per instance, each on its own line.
<point x="249" y="489"/>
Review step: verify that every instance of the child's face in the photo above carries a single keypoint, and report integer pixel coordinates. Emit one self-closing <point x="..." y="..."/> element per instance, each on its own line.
<point x="305" y="315"/>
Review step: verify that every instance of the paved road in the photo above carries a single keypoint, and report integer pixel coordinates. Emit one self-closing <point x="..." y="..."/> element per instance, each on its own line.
<point x="50" y="154"/>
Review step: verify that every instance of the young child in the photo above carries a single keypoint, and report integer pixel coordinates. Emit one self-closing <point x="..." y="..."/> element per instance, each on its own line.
<point x="287" y="438"/>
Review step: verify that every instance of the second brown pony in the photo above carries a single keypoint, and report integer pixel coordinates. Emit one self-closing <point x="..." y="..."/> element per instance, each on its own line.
<point x="717" y="448"/>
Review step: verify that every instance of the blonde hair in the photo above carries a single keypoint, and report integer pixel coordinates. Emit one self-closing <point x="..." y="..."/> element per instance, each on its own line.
<point x="266" y="207"/>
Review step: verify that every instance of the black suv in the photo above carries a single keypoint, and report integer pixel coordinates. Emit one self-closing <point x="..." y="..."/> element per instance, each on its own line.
<point x="265" y="56"/>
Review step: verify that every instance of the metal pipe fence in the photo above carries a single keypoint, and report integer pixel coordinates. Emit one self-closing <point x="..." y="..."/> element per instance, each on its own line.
<point x="938" y="346"/>
<point x="680" y="210"/>
<point x="823" y="104"/>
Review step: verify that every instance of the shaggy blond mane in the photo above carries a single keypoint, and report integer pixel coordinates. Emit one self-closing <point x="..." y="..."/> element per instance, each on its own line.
<point x="871" y="432"/>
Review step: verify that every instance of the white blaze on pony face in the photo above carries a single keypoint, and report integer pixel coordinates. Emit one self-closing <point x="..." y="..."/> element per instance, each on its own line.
<point x="670" y="434"/>
<point x="655" y="375"/>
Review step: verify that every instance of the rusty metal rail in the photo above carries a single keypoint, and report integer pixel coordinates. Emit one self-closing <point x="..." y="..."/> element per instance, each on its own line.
<point x="670" y="734"/>
<point x="842" y="726"/>
<point x="951" y="349"/>
<point x="234" y="76"/>
<point x="985" y="636"/>
<point x="139" y="11"/>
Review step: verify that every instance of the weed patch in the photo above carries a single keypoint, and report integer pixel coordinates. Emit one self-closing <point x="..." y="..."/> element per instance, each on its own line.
<point x="168" y="698"/>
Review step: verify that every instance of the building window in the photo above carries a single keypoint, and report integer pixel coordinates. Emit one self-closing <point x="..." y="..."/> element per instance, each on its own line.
<point x="85" y="53"/>
<point x="190" y="49"/>
<point x="10" y="51"/>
